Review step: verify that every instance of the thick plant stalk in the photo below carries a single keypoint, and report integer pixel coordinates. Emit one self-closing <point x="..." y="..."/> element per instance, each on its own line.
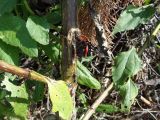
<point x="69" y="22"/>
<point x="69" y="30"/>
<point x="25" y="73"/>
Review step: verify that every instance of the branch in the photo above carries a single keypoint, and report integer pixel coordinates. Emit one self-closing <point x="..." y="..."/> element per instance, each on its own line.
<point x="97" y="102"/>
<point x="25" y="73"/>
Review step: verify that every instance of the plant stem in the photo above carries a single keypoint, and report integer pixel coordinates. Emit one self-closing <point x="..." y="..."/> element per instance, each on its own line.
<point x="69" y="22"/>
<point x="27" y="7"/>
<point x="69" y="30"/>
<point x="25" y="73"/>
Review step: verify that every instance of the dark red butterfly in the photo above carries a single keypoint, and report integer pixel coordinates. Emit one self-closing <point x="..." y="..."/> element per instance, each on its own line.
<point x="83" y="46"/>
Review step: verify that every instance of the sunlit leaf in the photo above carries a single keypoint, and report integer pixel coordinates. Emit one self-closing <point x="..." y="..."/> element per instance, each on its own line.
<point x="128" y="91"/>
<point x="18" y="98"/>
<point x="84" y="77"/>
<point x="147" y="2"/>
<point x="9" y="53"/>
<point x="126" y="64"/>
<point x="38" y="28"/>
<point x="132" y="17"/>
<point x="13" y="31"/>
<point x="61" y="99"/>
<point x="107" y="108"/>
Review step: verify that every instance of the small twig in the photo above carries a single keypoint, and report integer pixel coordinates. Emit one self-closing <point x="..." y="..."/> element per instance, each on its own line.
<point x="151" y="66"/>
<point x="147" y="102"/>
<point x="94" y="68"/>
<point x="146" y="110"/>
<point x="97" y="102"/>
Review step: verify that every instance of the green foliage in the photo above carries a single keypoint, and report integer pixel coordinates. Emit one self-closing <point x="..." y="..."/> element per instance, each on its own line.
<point x="61" y="99"/>
<point x="16" y="36"/>
<point x="132" y="16"/>
<point x="9" y="53"/>
<point x="7" y="6"/>
<point x="3" y="93"/>
<point x="5" y="109"/>
<point x="53" y="51"/>
<point x="128" y="91"/>
<point x="38" y="27"/>
<point x="23" y="33"/>
<point x="127" y="64"/>
<point x="54" y="17"/>
<point x="38" y="93"/>
<point x="83" y="99"/>
<point x="18" y="98"/>
<point x="84" y="77"/>
<point x="147" y="2"/>
<point x="14" y="32"/>
<point x="107" y="108"/>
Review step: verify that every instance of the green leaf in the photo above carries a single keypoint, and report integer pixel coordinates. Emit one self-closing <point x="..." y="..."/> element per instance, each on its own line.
<point x="38" y="28"/>
<point x="126" y="64"/>
<point x="107" y="108"/>
<point x="84" y="77"/>
<point x="38" y="93"/>
<point x="54" y="17"/>
<point x="3" y="93"/>
<point x="5" y="108"/>
<point x="53" y="52"/>
<point x="14" y="32"/>
<point x="7" y="6"/>
<point x="147" y="2"/>
<point x="128" y="91"/>
<point x="18" y="98"/>
<point x="83" y="99"/>
<point x="61" y="99"/>
<point x="132" y="17"/>
<point x="9" y="53"/>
